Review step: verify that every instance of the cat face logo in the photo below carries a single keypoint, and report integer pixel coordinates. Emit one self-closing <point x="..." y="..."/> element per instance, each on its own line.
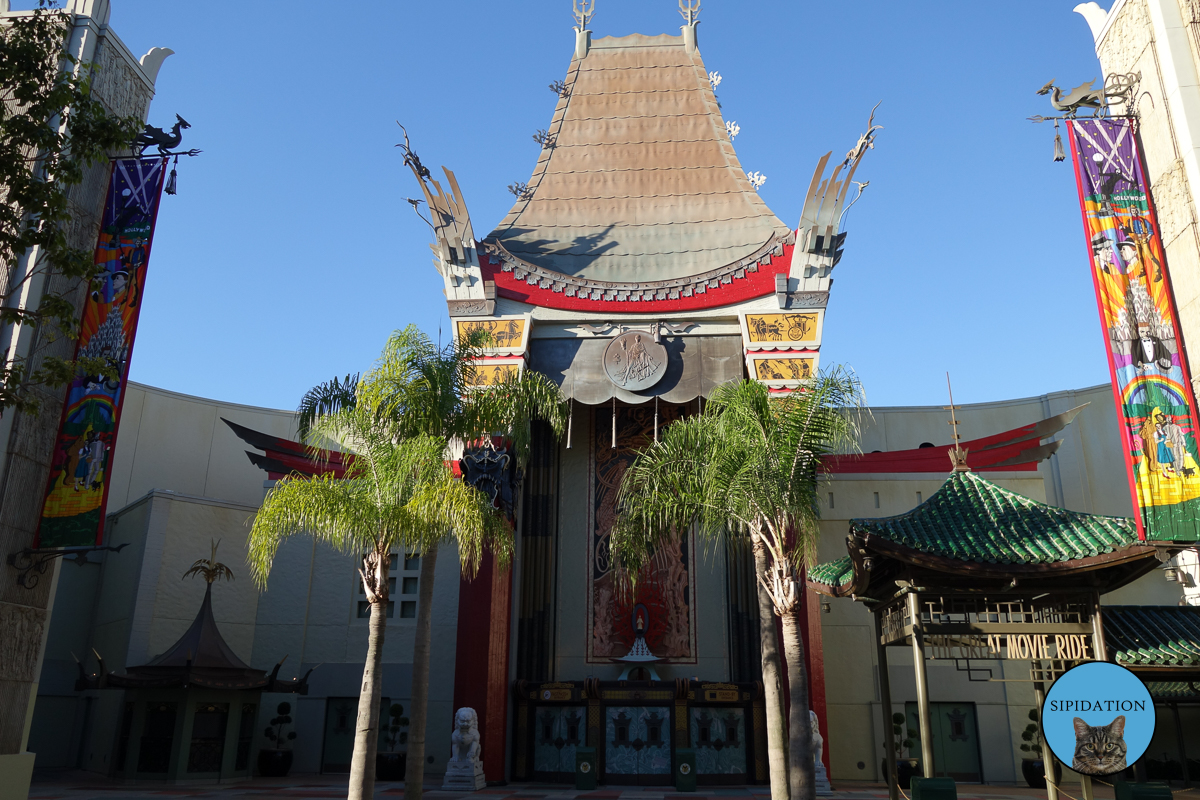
<point x="1098" y="717"/>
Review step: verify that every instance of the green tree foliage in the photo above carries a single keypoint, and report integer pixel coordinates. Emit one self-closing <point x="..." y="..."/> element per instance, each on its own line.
<point x="51" y="130"/>
<point x="748" y="466"/>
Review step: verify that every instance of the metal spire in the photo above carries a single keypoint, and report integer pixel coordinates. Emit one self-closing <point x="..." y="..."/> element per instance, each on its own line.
<point x="958" y="455"/>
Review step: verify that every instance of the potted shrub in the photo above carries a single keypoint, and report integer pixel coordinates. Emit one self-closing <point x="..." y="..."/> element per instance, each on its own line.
<point x="274" y="762"/>
<point x="390" y="765"/>
<point x="905" y="767"/>
<point x="1033" y="767"/>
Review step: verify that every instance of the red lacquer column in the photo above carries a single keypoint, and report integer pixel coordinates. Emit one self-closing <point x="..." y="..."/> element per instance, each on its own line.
<point x="481" y="658"/>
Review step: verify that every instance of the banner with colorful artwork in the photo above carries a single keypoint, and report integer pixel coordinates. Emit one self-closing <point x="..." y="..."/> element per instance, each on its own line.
<point x="73" y="511"/>
<point x="1155" y="403"/>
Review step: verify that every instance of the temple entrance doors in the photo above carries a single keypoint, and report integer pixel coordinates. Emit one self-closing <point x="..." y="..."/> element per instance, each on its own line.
<point x="955" y="740"/>
<point x="558" y="731"/>
<point x="637" y="745"/>
<point x="341" y="714"/>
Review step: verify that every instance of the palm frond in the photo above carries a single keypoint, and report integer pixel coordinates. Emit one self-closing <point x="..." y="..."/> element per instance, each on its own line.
<point x="326" y="398"/>
<point x="210" y="568"/>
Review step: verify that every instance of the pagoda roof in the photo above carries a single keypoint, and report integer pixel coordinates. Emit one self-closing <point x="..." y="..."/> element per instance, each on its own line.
<point x="972" y="532"/>
<point x="640" y="181"/>
<point x="1158" y="638"/>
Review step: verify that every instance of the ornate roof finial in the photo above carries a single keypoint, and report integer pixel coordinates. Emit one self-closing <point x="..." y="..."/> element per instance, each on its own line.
<point x="958" y="455"/>
<point x="210" y="568"/>
<point x="688" y="11"/>
<point x="583" y="11"/>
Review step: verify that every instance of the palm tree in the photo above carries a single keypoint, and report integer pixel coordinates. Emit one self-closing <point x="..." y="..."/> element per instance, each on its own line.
<point x="397" y="494"/>
<point x="748" y="466"/>
<point x="419" y="389"/>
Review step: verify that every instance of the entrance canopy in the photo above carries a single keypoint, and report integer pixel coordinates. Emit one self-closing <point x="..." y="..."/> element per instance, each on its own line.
<point x="974" y="536"/>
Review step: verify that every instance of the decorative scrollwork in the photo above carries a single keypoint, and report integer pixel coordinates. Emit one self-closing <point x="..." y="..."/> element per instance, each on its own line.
<point x="31" y="564"/>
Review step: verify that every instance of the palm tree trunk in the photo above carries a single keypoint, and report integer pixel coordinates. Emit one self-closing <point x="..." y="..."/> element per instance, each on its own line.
<point x="801" y="768"/>
<point x="772" y="685"/>
<point x="366" y="733"/>
<point x="414" y="771"/>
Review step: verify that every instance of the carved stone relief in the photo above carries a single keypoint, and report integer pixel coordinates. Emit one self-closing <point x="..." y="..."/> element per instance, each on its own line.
<point x="1127" y="38"/>
<point x="21" y="642"/>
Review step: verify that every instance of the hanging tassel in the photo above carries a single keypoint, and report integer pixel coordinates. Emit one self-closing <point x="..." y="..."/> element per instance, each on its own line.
<point x="1059" y="153"/>
<point x="570" y="419"/>
<point x="172" y="181"/>
<point x="614" y="423"/>
<point x="656" y="419"/>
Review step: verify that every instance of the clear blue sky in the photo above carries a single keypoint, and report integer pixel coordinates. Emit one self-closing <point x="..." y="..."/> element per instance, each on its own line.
<point x="289" y="253"/>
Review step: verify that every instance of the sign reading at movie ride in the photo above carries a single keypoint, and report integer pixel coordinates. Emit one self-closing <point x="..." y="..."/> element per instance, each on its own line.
<point x="73" y="511"/>
<point x="1155" y="403"/>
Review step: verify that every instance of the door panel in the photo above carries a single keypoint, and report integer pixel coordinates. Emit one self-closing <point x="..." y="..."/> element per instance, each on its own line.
<point x="955" y="740"/>
<point x="559" y="730"/>
<point x="341" y="716"/>
<point x="719" y="739"/>
<point x="637" y="745"/>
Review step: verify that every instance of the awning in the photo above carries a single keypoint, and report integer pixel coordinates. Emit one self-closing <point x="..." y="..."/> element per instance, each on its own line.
<point x="695" y="365"/>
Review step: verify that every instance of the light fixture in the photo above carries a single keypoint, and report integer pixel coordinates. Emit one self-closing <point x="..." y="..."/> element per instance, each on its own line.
<point x="826" y="607"/>
<point x="1171" y="574"/>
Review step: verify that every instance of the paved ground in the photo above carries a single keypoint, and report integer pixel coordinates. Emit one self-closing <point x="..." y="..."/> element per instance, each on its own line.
<point x="84" y="786"/>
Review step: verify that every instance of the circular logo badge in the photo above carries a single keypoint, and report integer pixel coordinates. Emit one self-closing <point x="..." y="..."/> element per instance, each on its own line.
<point x="545" y="694"/>
<point x="1098" y="718"/>
<point x="634" y="361"/>
<point x="585" y="767"/>
<point x="684" y="769"/>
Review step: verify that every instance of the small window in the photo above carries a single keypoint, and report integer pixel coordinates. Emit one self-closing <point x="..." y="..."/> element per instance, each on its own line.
<point x="412" y="562"/>
<point x="831" y="499"/>
<point x="919" y="500"/>
<point x="923" y="445"/>
<point x="410" y="585"/>
<point x="364" y="609"/>
<point x="877" y="499"/>
<point x="408" y="609"/>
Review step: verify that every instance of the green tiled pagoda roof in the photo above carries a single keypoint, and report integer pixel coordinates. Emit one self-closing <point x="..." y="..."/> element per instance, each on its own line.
<point x="833" y="573"/>
<point x="1174" y="690"/>
<point x="972" y="519"/>
<point x="1153" y="636"/>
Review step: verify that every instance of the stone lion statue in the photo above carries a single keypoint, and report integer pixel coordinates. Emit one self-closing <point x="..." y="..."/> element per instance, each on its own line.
<point x="818" y="743"/>
<point x="465" y="739"/>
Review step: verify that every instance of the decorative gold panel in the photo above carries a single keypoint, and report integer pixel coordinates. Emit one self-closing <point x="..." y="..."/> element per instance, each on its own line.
<point x="507" y="334"/>
<point x="492" y="374"/>
<point x="774" y="328"/>
<point x="783" y="369"/>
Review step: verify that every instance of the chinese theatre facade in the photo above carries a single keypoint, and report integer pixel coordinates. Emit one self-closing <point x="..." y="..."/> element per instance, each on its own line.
<point x="638" y="269"/>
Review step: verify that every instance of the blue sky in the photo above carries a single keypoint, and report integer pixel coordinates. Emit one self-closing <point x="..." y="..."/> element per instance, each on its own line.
<point x="289" y="253"/>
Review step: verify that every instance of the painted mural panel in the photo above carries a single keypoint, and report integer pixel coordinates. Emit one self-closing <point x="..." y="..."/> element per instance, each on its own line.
<point x="1154" y="399"/>
<point x="719" y="739"/>
<point x="664" y="587"/>
<point x="493" y="374"/>
<point x="73" y="509"/>
<point x="783" y="369"/>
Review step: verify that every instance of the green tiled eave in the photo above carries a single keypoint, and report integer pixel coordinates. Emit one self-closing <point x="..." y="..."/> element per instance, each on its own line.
<point x="1153" y="636"/>
<point x="833" y="573"/>
<point x="972" y="519"/>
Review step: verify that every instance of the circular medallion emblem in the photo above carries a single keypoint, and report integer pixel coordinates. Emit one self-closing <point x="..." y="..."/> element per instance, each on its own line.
<point x="684" y="769"/>
<point x="585" y="767"/>
<point x="634" y="361"/>
<point x="546" y="694"/>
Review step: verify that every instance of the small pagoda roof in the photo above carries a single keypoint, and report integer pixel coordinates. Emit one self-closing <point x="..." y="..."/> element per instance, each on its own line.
<point x="640" y="181"/>
<point x="201" y="657"/>
<point x="1161" y="640"/>
<point x="975" y="532"/>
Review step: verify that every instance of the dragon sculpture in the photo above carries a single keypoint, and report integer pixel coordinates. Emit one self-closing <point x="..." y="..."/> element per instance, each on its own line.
<point x="1116" y="89"/>
<point x="159" y="138"/>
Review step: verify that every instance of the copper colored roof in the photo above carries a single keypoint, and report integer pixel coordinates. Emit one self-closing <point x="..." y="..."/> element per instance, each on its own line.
<point x="640" y="182"/>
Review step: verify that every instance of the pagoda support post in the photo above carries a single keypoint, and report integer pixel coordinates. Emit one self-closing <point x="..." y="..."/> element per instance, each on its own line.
<point x="1039" y="694"/>
<point x="918" y="645"/>
<point x="885" y="699"/>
